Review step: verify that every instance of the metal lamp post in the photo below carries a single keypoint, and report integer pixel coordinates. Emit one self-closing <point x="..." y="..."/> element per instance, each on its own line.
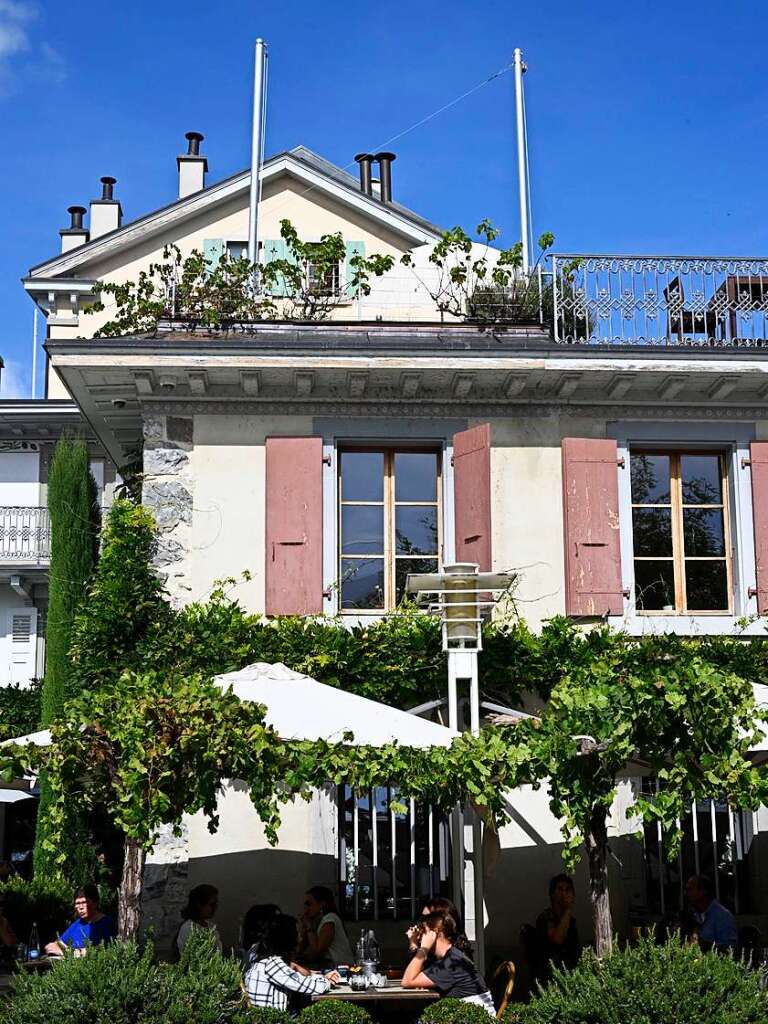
<point x="459" y="595"/>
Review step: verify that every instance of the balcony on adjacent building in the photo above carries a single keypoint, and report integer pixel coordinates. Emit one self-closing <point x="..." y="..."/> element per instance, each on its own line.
<point x="25" y="535"/>
<point x="658" y="300"/>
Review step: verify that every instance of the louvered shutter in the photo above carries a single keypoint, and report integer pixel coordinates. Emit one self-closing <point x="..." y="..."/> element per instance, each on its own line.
<point x="352" y="249"/>
<point x="294" y="526"/>
<point x="277" y="249"/>
<point x="758" y="457"/>
<point x="213" y="250"/>
<point x="472" y="495"/>
<point x="591" y="515"/>
<point x="22" y="641"/>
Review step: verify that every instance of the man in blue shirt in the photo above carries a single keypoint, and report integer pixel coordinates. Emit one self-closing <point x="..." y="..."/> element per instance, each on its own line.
<point x="716" y="925"/>
<point x="90" y="927"/>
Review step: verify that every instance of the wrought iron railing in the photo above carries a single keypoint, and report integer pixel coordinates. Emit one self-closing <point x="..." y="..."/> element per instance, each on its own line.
<point x="660" y="300"/>
<point x="25" y="534"/>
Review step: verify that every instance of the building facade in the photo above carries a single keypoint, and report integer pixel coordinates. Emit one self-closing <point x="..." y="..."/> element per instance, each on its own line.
<point x="612" y="453"/>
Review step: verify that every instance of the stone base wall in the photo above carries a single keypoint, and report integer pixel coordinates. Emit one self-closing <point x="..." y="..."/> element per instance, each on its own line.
<point x="167" y="491"/>
<point x="165" y="888"/>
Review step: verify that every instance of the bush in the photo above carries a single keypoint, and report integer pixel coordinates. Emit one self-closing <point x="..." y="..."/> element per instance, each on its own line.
<point x="43" y="901"/>
<point x="334" y="1011"/>
<point x="120" y="984"/>
<point x="648" y="984"/>
<point x="19" y="709"/>
<point x="454" y="1011"/>
<point x="266" y="1015"/>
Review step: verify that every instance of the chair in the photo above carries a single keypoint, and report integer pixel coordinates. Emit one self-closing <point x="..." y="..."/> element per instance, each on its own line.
<point x="750" y="945"/>
<point x="503" y="983"/>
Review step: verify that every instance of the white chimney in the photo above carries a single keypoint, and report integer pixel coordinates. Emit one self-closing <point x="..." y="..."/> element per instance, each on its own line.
<point x="106" y="213"/>
<point x="75" y="234"/>
<point x="192" y="166"/>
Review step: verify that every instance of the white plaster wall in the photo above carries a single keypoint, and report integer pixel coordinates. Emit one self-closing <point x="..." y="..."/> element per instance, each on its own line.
<point x="20" y="479"/>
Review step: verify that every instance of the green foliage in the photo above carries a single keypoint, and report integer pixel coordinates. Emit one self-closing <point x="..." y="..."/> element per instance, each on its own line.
<point x="232" y="290"/>
<point x="268" y="1015"/>
<point x="488" y="287"/>
<point x="454" y="1011"/>
<point x="334" y="1011"/>
<point x="46" y="902"/>
<point x="649" y="984"/>
<point x="19" y="709"/>
<point x="124" y="603"/>
<point x="120" y="984"/>
<point x="155" y="747"/>
<point x="74" y="514"/>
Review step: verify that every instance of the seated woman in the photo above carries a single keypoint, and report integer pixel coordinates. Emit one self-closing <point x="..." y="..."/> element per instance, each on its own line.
<point x="437" y="904"/>
<point x="323" y="940"/>
<point x="202" y="904"/>
<point x="270" y="979"/>
<point x="451" y="972"/>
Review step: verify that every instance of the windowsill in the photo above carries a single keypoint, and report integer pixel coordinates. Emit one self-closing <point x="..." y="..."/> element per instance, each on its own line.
<point x="687" y="625"/>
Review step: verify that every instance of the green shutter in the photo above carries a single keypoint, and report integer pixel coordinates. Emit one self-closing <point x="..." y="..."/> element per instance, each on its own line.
<point x="353" y="249"/>
<point x="277" y="249"/>
<point x="213" y="250"/>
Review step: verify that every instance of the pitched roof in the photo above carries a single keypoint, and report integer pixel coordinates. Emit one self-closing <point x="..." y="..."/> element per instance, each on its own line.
<point x="299" y="162"/>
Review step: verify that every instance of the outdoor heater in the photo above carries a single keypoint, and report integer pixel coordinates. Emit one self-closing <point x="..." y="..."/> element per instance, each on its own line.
<point x="460" y="594"/>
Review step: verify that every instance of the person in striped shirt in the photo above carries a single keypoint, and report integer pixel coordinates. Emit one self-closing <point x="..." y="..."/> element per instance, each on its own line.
<point x="271" y="979"/>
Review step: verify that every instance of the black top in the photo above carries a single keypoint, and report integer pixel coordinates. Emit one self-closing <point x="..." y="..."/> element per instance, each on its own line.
<point x="567" y="953"/>
<point x="455" y="975"/>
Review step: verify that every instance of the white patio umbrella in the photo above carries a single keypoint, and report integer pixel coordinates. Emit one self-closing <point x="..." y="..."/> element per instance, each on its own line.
<point x="301" y="708"/>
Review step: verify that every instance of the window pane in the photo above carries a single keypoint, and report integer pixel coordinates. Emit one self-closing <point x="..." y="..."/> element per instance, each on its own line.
<point x="403" y="566"/>
<point x="655" y="586"/>
<point x="362" y="529"/>
<point x="650" y="479"/>
<point x="706" y="586"/>
<point x="652" y="531"/>
<point x="416" y="530"/>
<point x="415" y="476"/>
<point x="701" y="479"/>
<point x="362" y="583"/>
<point x="703" y="531"/>
<point x="362" y="476"/>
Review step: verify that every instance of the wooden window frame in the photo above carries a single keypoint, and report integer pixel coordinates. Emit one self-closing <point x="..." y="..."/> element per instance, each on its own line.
<point x="676" y="505"/>
<point x="389" y="555"/>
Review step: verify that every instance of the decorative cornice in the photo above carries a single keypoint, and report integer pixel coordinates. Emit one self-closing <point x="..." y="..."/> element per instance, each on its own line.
<point x="429" y="409"/>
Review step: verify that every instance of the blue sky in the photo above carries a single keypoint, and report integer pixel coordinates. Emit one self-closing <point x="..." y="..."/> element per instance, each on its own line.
<point x="648" y="122"/>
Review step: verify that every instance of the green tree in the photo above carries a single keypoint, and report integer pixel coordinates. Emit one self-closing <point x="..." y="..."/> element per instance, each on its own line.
<point x="656" y="701"/>
<point x="74" y="515"/>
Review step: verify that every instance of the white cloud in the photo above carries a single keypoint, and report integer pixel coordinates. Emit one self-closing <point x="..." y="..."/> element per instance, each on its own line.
<point x="16" y="40"/>
<point x="13" y="378"/>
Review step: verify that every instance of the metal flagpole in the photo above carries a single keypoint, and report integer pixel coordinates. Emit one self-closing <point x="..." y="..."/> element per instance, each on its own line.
<point x="522" y="178"/>
<point x="257" y="146"/>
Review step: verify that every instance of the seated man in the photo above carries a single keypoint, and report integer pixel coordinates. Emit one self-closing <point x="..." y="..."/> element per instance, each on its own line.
<point x="716" y="926"/>
<point x="90" y="927"/>
<point x="556" y="926"/>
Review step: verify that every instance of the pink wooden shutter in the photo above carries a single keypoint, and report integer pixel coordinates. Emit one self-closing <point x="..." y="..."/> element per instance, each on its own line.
<point x="472" y="491"/>
<point x="758" y="457"/>
<point x="294" y="535"/>
<point x="591" y="514"/>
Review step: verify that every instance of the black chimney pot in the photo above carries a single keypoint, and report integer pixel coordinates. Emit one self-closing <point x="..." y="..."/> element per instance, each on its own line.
<point x="365" y="160"/>
<point x="76" y="213"/>
<point x="194" y="139"/>
<point x="385" y="173"/>
<point x="107" y="187"/>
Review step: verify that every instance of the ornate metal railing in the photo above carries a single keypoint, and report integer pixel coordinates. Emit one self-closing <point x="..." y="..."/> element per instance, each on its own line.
<point x="25" y="534"/>
<point x="660" y="300"/>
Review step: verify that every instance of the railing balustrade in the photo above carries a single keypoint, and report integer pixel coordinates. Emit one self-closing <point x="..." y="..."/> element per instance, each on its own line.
<point x="25" y="534"/>
<point x="660" y="300"/>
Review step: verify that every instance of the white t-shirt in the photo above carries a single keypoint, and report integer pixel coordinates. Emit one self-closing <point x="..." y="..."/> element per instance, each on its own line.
<point x="339" y="951"/>
<point x="186" y="929"/>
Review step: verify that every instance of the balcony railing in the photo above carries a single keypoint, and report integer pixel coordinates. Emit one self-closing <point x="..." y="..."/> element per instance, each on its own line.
<point x="25" y="534"/>
<point x="660" y="300"/>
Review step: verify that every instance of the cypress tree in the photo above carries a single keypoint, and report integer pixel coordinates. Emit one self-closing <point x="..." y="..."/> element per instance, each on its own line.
<point x="74" y="515"/>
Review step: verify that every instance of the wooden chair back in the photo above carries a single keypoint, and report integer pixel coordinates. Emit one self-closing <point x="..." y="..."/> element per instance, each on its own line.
<point x="504" y="983"/>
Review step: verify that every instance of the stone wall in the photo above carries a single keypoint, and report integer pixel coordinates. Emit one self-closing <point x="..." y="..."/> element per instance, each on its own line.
<point x="167" y="490"/>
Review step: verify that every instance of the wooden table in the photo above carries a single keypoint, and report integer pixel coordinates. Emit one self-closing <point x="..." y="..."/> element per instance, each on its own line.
<point x="392" y="993"/>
